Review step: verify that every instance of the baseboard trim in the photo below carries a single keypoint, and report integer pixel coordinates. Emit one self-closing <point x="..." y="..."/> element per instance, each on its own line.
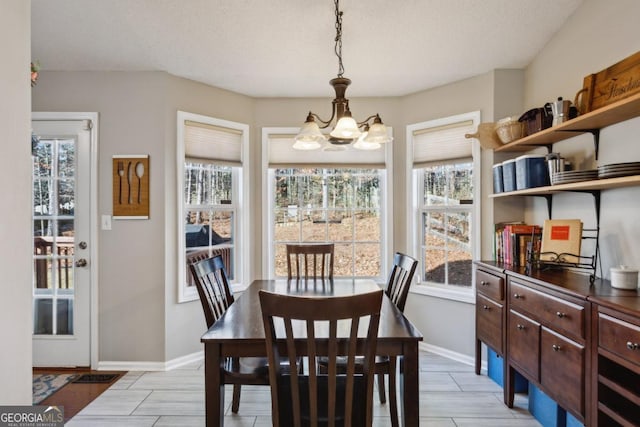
<point x="449" y="354"/>
<point x="152" y="366"/>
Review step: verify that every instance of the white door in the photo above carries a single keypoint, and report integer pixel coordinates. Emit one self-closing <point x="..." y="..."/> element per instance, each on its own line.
<point x="61" y="242"/>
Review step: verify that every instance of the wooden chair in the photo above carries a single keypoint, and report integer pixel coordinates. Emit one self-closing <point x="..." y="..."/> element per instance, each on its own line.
<point x="310" y="261"/>
<point x="310" y="399"/>
<point x="216" y="297"/>
<point x="404" y="267"/>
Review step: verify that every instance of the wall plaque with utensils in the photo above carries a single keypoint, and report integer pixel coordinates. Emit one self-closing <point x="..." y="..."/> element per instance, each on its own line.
<point x="131" y="186"/>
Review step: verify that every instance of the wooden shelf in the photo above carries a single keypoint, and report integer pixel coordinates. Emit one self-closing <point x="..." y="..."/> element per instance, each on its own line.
<point x="598" y="184"/>
<point x="617" y="112"/>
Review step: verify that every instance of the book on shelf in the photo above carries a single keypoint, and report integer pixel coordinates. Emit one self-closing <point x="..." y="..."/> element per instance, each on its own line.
<point x="561" y="239"/>
<point x="511" y="239"/>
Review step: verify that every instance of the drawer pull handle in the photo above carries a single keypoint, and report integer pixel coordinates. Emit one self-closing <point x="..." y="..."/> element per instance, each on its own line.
<point x="520" y="327"/>
<point x="517" y="296"/>
<point x="486" y="307"/>
<point x="632" y="345"/>
<point x="483" y="283"/>
<point x="555" y="347"/>
<point x="560" y="314"/>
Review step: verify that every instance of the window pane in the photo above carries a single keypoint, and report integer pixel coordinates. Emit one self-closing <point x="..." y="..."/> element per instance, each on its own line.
<point x="368" y="259"/>
<point x="368" y="226"/>
<point x="66" y="197"/>
<point x="281" y="260"/>
<point x="340" y="226"/>
<point x="319" y="205"/>
<point x="43" y="159"/>
<point x="447" y="247"/>
<point x="66" y="159"/>
<point x="343" y="260"/>
<point x="42" y="189"/>
<point x="448" y="184"/>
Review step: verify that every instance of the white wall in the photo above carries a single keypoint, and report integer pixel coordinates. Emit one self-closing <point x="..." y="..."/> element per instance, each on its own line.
<point x="598" y="35"/>
<point x="15" y="187"/>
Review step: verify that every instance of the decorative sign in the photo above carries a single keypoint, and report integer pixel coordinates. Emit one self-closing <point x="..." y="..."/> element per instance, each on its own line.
<point x="131" y="186"/>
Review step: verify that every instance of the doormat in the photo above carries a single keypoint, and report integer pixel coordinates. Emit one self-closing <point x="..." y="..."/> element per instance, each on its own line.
<point x="44" y="385"/>
<point x="96" y="378"/>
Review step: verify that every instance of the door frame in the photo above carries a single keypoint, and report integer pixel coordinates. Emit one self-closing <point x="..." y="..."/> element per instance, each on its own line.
<point x="93" y="220"/>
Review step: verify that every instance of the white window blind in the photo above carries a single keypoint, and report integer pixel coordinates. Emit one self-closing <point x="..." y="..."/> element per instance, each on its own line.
<point x="442" y="144"/>
<point x="281" y="154"/>
<point x="205" y="143"/>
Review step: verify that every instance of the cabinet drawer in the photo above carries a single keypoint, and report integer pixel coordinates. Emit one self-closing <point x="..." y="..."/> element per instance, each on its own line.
<point x="490" y="285"/>
<point x="562" y="371"/>
<point x="549" y="310"/>
<point x="523" y="343"/>
<point x="489" y="315"/>
<point x="619" y="337"/>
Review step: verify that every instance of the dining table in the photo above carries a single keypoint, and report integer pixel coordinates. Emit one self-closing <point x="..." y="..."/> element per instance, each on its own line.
<point x="239" y="332"/>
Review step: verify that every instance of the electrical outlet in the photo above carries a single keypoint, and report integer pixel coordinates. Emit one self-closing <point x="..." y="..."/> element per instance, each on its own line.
<point x="106" y="222"/>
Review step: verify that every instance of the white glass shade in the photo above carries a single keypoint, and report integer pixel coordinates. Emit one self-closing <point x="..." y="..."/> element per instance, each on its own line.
<point x="309" y="138"/>
<point x="378" y="134"/>
<point x="362" y="144"/>
<point x="346" y="128"/>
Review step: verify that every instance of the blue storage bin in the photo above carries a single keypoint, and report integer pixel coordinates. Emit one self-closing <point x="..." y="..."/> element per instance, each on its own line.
<point x="495" y="372"/>
<point x="531" y="171"/>
<point x="545" y="410"/>
<point x="573" y="422"/>
<point x="509" y="175"/>
<point x="498" y="181"/>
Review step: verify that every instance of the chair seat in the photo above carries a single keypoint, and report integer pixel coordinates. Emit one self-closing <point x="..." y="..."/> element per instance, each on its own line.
<point x="250" y="368"/>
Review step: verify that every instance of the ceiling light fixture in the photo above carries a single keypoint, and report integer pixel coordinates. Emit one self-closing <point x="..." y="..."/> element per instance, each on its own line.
<point x="346" y="129"/>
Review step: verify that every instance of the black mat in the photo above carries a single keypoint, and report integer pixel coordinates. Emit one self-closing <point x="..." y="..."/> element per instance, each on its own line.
<point x="96" y="378"/>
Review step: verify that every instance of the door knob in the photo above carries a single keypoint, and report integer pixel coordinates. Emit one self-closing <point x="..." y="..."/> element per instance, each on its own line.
<point x="81" y="262"/>
<point x="82" y="245"/>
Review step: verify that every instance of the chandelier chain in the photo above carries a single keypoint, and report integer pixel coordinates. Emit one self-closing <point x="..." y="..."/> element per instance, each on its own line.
<point x="338" y="46"/>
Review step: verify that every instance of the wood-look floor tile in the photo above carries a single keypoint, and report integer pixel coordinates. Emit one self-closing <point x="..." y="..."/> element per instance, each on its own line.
<point x="111" y="421"/>
<point x="469" y="381"/>
<point x="437" y="381"/>
<point x="116" y="402"/>
<point x="172" y="402"/>
<point x="170" y="380"/>
<point x="463" y="405"/>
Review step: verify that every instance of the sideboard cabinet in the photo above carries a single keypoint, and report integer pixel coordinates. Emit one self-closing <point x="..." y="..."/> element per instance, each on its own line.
<point x="576" y="341"/>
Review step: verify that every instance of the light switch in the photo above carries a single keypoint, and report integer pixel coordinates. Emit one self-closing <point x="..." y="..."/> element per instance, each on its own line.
<point x="106" y="222"/>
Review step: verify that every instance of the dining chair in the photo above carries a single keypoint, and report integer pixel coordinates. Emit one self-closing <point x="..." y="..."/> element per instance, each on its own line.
<point x="400" y="278"/>
<point x="216" y="297"/>
<point x="306" y="328"/>
<point x="397" y="289"/>
<point x="310" y="261"/>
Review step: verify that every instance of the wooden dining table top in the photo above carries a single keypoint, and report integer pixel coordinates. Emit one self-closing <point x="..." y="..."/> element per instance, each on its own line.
<point x="242" y="322"/>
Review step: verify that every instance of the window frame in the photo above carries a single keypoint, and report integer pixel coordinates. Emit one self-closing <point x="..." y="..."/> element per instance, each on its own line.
<point x="240" y="179"/>
<point x="415" y="192"/>
<point x="268" y="197"/>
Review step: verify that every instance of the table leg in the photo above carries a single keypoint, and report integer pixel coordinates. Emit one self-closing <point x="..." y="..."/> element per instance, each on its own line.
<point x="213" y="386"/>
<point x="409" y="385"/>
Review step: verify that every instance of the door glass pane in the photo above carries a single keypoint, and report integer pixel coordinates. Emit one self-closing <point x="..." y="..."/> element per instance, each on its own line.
<point x="53" y="236"/>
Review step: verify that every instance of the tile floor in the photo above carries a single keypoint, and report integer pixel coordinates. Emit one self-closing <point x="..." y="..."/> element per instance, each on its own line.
<point x="451" y="395"/>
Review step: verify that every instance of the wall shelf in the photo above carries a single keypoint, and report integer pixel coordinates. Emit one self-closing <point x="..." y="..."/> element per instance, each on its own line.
<point x="596" y="184"/>
<point x="616" y="112"/>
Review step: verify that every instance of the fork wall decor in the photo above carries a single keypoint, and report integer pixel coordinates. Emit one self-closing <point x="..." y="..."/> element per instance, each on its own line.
<point x="131" y="186"/>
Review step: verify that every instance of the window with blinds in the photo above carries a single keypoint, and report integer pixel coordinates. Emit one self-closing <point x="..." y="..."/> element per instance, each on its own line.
<point x="325" y="196"/>
<point x="210" y="154"/>
<point x="445" y="185"/>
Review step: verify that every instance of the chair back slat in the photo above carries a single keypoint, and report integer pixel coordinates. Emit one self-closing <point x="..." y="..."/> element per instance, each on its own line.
<point x="310" y="261"/>
<point x="314" y="328"/>
<point x="404" y="268"/>
<point x="213" y="287"/>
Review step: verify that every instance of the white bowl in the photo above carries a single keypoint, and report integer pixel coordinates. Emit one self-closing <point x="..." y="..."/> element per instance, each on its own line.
<point x="624" y="277"/>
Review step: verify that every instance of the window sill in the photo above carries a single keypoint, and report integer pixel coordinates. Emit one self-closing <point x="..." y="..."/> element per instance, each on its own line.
<point x="446" y="292"/>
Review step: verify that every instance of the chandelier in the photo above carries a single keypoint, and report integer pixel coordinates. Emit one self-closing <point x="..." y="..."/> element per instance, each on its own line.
<point x="365" y="135"/>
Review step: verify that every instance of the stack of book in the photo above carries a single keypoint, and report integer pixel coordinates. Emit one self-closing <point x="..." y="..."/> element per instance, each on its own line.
<point x="511" y="242"/>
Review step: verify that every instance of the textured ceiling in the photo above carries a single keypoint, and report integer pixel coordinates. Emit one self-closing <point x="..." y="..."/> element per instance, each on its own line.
<point x="284" y="48"/>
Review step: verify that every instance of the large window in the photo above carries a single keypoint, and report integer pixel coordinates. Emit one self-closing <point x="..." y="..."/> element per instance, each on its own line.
<point x="326" y="196"/>
<point x="329" y="205"/>
<point x="210" y="222"/>
<point x="445" y="183"/>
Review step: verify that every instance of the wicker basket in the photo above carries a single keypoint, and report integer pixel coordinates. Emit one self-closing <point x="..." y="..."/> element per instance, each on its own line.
<point x="509" y="129"/>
